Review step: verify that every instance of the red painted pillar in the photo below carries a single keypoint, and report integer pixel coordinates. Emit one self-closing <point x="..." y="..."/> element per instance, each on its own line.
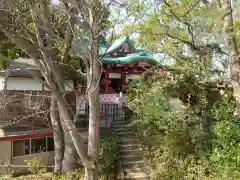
<point x="123" y="88"/>
<point x="123" y="80"/>
<point x="106" y="80"/>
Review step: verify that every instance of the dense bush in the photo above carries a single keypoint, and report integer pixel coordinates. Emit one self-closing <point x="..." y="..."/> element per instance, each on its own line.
<point x="187" y="128"/>
<point x="35" y="166"/>
<point x="109" y="156"/>
<point x="78" y="175"/>
<point x="226" y="140"/>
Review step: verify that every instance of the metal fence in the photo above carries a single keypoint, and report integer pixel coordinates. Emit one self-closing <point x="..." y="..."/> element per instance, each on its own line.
<point x="108" y="114"/>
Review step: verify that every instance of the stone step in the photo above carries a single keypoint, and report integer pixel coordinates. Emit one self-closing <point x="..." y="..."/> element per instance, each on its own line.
<point x="128" y="141"/>
<point x="123" y="138"/>
<point x="136" y="151"/>
<point x="134" y="168"/>
<point x="137" y="178"/>
<point x="117" y="131"/>
<point x="114" y="126"/>
<point x="132" y="160"/>
<point x="127" y="162"/>
<point x="145" y="169"/>
<point x="131" y="157"/>
<point x="135" y="146"/>
<point x="126" y="138"/>
<point x="118" y="122"/>
<point x="119" y="117"/>
<point x="125" y="134"/>
<point x="133" y="164"/>
<point x="127" y="170"/>
<point x="136" y="175"/>
<point x="122" y="129"/>
<point x="124" y="119"/>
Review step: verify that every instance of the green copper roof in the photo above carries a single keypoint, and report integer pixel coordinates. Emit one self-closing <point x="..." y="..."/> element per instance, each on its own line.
<point x="130" y="59"/>
<point x="139" y="56"/>
<point x="117" y="43"/>
<point x="80" y="43"/>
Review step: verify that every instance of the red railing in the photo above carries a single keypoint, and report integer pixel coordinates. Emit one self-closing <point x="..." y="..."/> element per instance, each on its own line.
<point x="106" y="110"/>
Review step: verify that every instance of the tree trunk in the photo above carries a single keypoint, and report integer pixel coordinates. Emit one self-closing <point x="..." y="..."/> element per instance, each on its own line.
<point x="70" y="160"/>
<point x="94" y="110"/>
<point x="68" y="126"/>
<point x="233" y="52"/>
<point x="58" y="136"/>
<point x="35" y="48"/>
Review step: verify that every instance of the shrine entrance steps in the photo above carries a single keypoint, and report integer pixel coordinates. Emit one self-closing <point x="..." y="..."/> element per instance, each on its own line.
<point x="131" y="158"/>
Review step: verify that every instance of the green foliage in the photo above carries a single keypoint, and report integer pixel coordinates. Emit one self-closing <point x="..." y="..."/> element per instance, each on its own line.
<point x="109" y="155"/>
<point x="226" y="141"/>
<point x="9" y="50"/>
<point x="35" y="165"/>
<point x="171" y="27"/>
<point x="78" y="174"/>
<point x="187" y="128"/>
<point x="195" y="138"/>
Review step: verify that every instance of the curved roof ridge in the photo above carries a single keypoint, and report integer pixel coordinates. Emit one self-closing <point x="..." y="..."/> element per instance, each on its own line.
<point x="116" y="44"/>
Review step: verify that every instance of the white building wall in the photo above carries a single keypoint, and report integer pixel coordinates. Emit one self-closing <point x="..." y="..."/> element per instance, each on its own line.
<point x="28" y="84"/>
<point x="68" y="86"/>
<point x="5" y="155"/>
<point x="114" y="75"/>
<point x="46" y="158"/>
<point x="23" y="84"/>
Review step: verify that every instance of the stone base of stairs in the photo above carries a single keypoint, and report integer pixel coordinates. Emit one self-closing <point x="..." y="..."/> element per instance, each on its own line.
<point x="131" y="175"/>
<point x="130" y="153"/>
<point x="120" y="173"/>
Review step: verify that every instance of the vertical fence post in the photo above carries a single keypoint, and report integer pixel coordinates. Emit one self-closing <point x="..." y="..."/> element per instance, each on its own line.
<point x="113" y="114"/>
<point x="124" y="111"/>
<point x="106" y="116"/>
<point x="117" y="108"/>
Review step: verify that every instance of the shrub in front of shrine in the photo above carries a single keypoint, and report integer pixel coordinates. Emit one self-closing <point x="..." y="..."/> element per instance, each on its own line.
<point x="199" y="139"/>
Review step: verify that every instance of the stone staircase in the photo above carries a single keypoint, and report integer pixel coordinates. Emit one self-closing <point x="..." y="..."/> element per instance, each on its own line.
<point x="131" y="158"/>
